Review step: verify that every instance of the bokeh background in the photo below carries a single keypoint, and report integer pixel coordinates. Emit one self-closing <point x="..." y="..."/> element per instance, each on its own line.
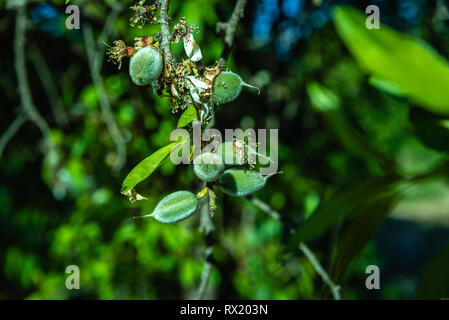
<point x="62" y="205"/>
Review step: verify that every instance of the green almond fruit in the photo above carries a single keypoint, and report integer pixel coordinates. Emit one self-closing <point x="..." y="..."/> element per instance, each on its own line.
<point x="208" y="166"/>
<point x="175" y="207"/>
<point x="145" y="66"/>
<point x="227" y="87"/>
<point x="241" y="182"/>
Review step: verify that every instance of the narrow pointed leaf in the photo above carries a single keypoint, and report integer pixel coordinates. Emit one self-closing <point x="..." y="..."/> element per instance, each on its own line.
<point x="145" y="168"/>
<point x="187" y="117"/>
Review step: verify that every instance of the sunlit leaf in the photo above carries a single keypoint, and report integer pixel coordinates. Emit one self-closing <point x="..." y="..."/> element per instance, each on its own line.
<point x="387" y="86"/>
<point x="133" y="196"/>
<point x="322" y="98"/>
<point x="418" y="71"/>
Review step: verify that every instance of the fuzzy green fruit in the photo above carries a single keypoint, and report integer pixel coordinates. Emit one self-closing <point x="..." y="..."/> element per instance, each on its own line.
<point x="208" y="166"/>
<point x="145" y="66"/>
<point x="227" y="87"/>
<point x="175" y="207"/>
<point x="240" y="183"/>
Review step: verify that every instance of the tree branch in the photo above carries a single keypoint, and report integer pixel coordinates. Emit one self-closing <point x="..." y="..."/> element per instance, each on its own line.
<point x="105" y="105"/>
<point x="44" y="73"/>
<point x="206" y="224"/>
<point x="335" y="289"/>
<point x="230" y="27"/>
<point x="164" y="20"/>
<point x="11" y="131"/>
<point x="265" y="208"/>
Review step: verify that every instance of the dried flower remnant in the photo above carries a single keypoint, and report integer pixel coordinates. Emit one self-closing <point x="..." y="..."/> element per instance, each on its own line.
<point x="118" y="51"/>
<point x="180" y="30"/>
<point x="191" y="48"/>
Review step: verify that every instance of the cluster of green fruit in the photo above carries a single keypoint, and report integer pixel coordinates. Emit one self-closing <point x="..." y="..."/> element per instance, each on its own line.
<point x="218" y="167"/>
<point x="146" y="66"/>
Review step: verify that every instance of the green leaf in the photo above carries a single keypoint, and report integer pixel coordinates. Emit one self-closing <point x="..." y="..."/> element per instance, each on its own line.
<point x="145" y="168"/>
<point x="341" y="205"/>
<point x="358" y="232"/>
<point x="385" y="85"/>
<point x="416" y="69"/>
<point x="188" y="116"/>
<point x="434" y="282"/>
<point x="175" y="207"/>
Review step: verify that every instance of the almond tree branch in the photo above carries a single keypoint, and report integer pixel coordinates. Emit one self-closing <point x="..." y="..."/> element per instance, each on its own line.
<point x="335" y="289"/>
<point x="206" y="224"/>
<point x="230" y="27"/>
<point x="164" y="20"/>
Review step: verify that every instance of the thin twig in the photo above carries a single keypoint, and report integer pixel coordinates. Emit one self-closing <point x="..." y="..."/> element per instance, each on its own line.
<point x="335" y="289"/>
<point x="265" y="208"/>
<point x="164" y="20"/>
<point x="11" y="131"/>
<point x="207" y="227"/>
<point x="22" y="77"/>
<point x="105" y="105"/>
<point x="50" y="88"/>
<point x="230" y="27"/>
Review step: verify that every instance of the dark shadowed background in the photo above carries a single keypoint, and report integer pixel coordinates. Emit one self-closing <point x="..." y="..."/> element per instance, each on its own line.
<point x="61" y="205"/>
